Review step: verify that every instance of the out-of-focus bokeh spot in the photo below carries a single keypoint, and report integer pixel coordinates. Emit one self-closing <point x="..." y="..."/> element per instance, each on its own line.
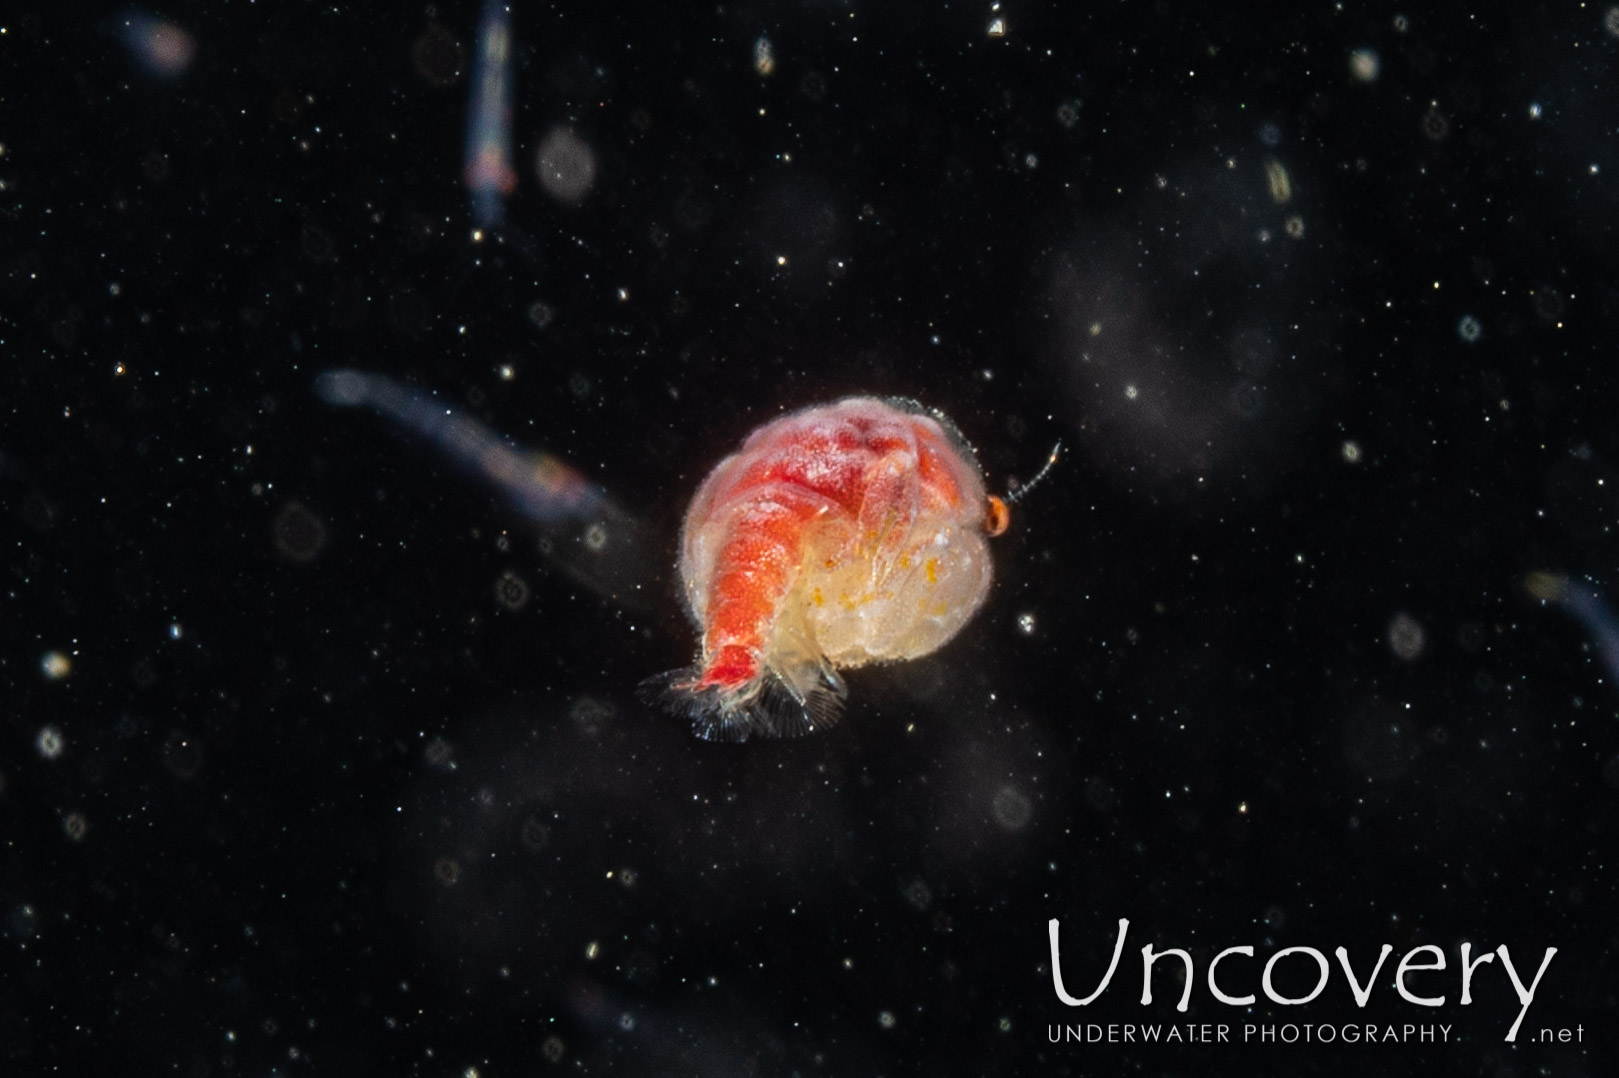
<point x="162" y="47"/>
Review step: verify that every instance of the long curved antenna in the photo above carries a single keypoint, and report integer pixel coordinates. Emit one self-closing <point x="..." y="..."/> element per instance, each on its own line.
<point x="1015" y="496"/>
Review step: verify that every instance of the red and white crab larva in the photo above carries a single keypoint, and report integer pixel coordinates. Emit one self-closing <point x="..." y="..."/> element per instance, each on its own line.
<point x="838" y="535"/>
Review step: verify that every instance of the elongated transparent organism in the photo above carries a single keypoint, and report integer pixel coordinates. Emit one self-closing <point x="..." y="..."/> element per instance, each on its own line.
<point x="582" y="529"/>
<point x="1586" y="603"/>
<point x="837" y="536"/>
<point x="491" y="175"/>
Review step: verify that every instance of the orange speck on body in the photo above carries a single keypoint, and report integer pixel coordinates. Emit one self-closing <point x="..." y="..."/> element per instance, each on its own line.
<point x="997" y="517"/>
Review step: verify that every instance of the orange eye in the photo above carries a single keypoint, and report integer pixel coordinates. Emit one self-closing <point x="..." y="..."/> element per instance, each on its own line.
<point x="997" y="518"/>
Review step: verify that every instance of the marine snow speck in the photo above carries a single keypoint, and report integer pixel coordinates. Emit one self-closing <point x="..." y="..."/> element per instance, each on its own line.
<point x="839" y="535"/>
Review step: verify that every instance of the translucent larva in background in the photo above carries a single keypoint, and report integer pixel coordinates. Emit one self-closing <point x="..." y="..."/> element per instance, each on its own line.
<point x="582" y="530"/>
<point x="839" y="535"/>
